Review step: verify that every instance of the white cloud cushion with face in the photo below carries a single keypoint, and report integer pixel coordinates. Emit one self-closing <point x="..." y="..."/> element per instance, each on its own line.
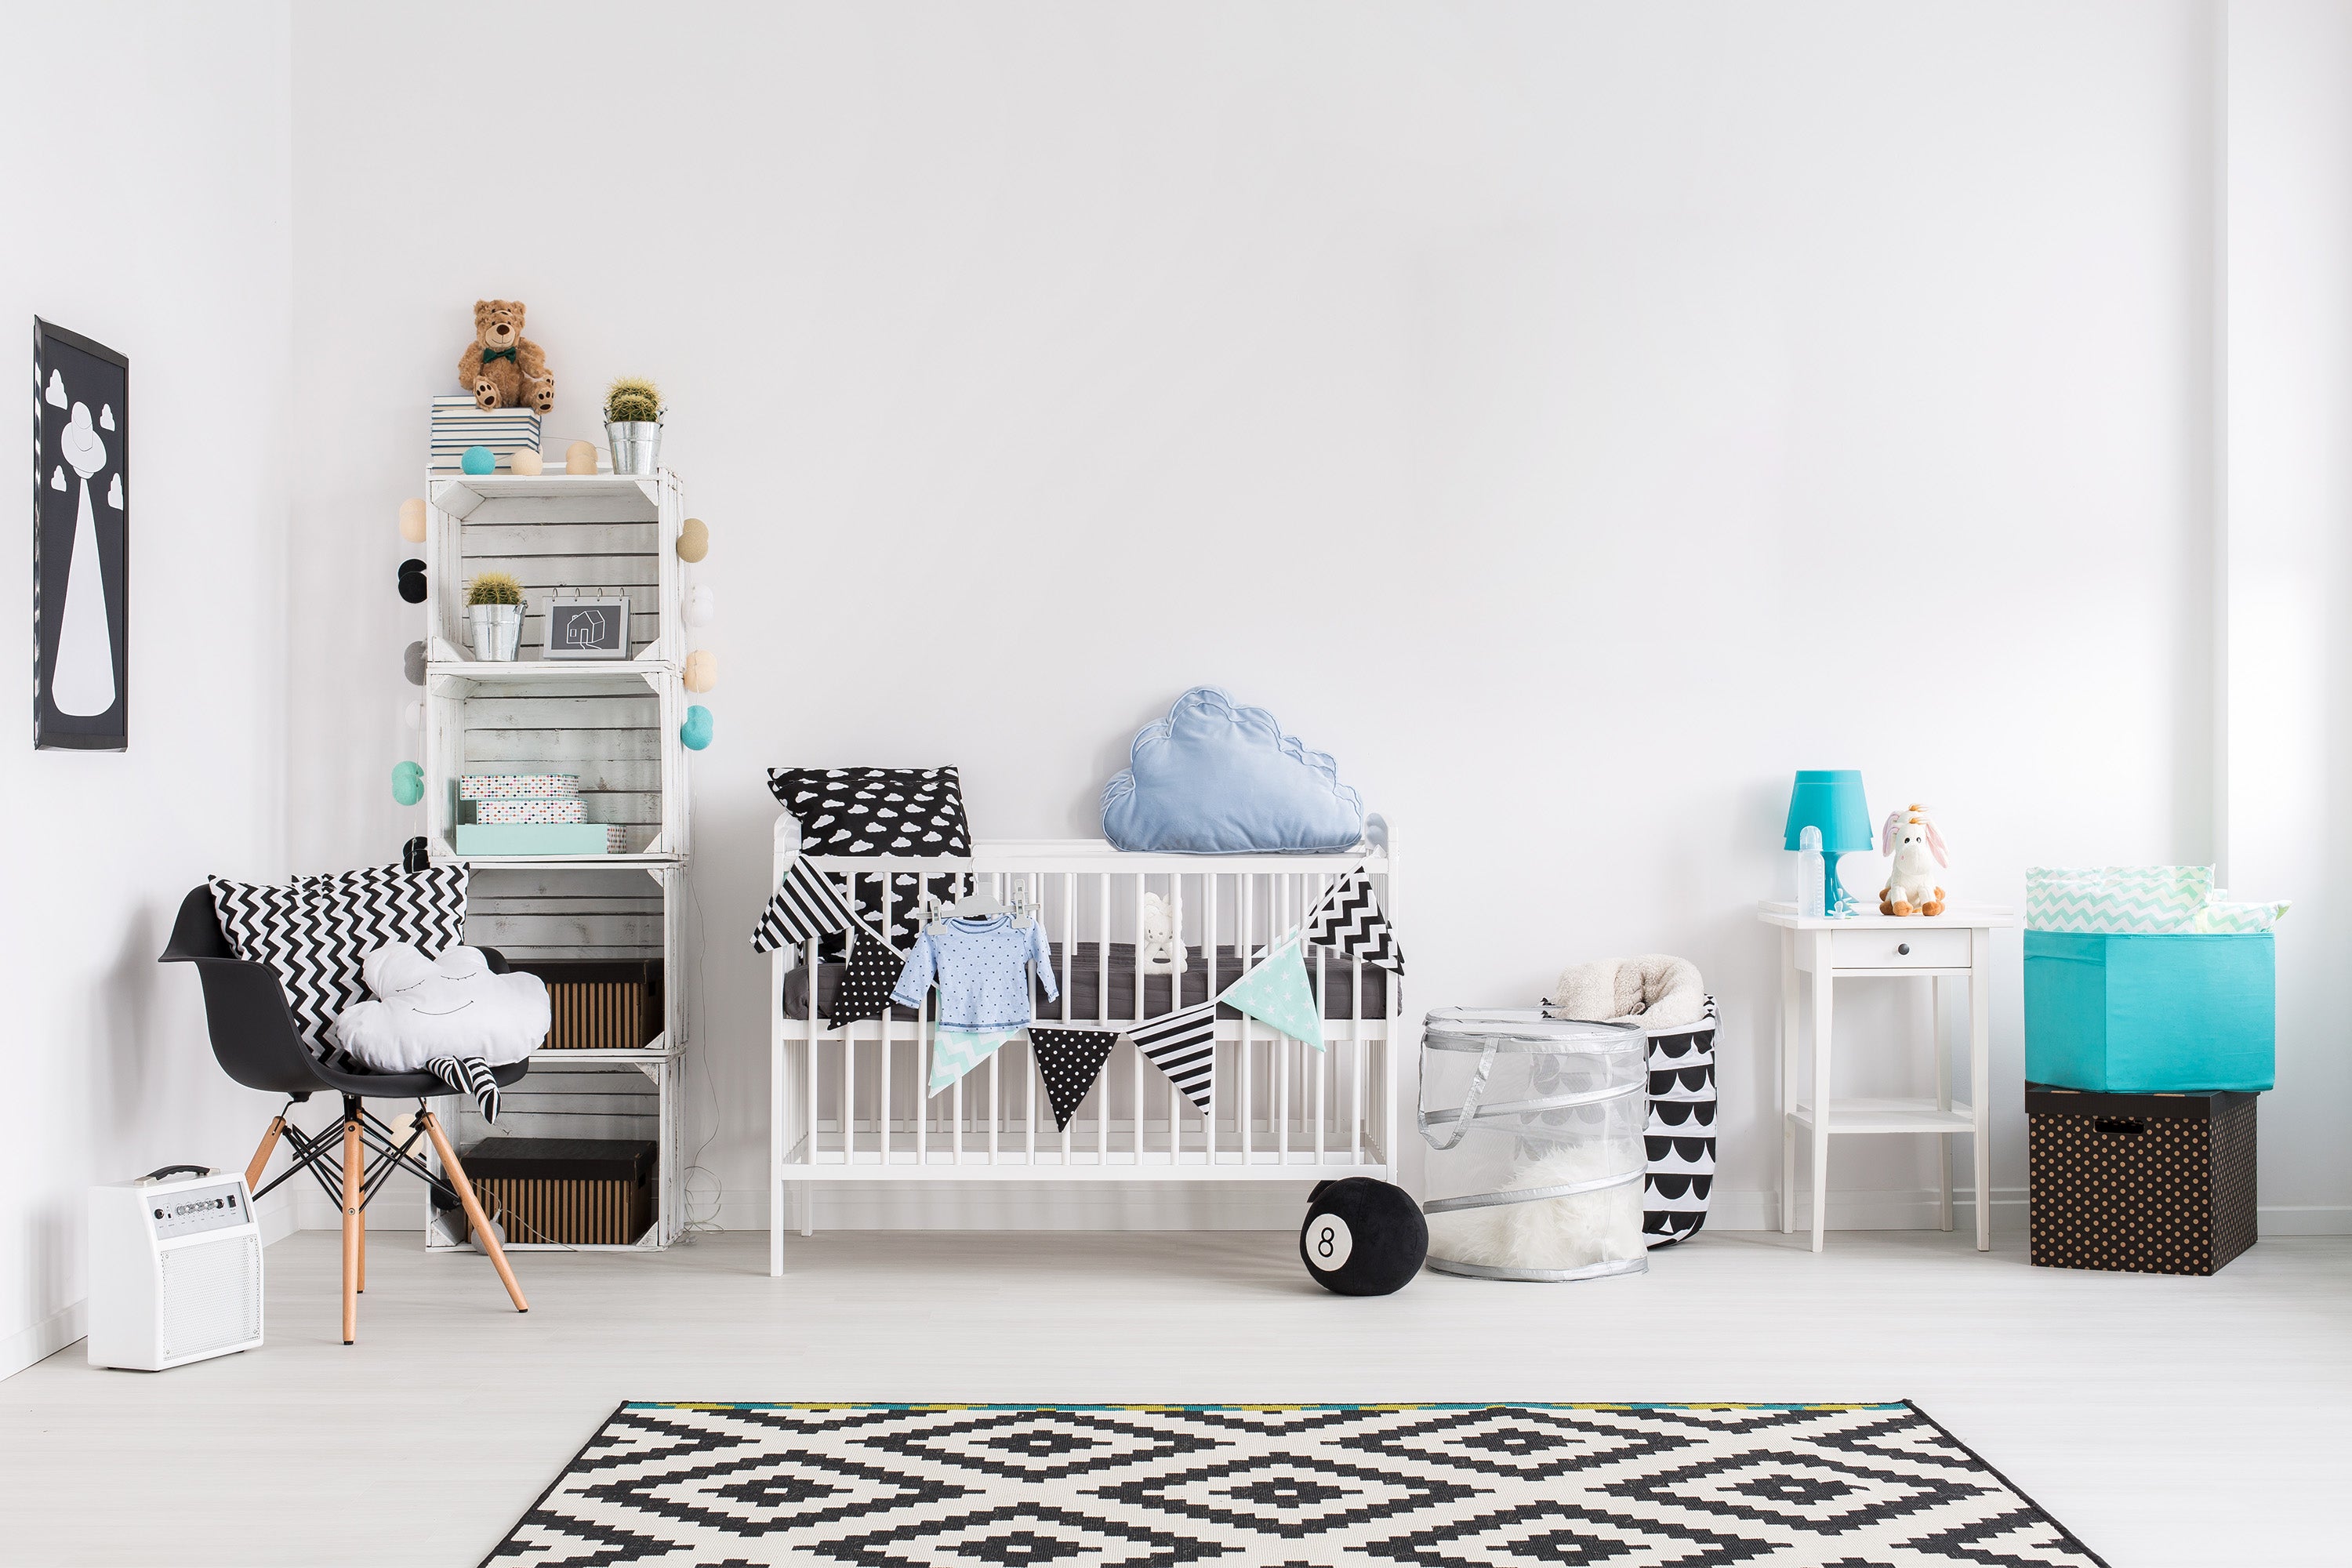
<point x="449" y="1007"/>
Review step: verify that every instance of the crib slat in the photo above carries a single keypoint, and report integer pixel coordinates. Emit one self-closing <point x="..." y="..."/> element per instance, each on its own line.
<point x="1209" y="891"/>
<point x="1242" y="938"/>
<point x="1321" y="1059"/>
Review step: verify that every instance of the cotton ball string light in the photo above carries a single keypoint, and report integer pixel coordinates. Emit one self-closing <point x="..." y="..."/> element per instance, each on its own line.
<point x="701" y="608"/>
<point x="407" y="783"/>
<point x="478" y="460"/>
<point x="702" y="669"/>
<point x="412" y="580"/>
<point x="412" y="520"/>
<point x="413" y="715"/>
<point x="693" y="539"/>
<point x="412" y="662"/>
<point x="526" y="462"/>
<point x="695" y="733"/>
<point x="580" y="458"/>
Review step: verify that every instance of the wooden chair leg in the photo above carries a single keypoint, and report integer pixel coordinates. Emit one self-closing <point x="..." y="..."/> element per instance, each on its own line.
<point x="362" y="1222"/>
<point x="353" y="1166"/>
<point x="254" y="1172"/>
<point x="474" y="1215"/>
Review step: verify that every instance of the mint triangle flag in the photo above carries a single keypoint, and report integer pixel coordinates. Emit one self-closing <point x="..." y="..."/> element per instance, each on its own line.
<point x="1276" y="993"/>
<point x="955" y="1052"/>
<point x="1069" y="1060"/>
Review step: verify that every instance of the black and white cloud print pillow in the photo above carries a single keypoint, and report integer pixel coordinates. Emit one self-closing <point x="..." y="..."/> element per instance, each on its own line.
<point x="911" y="812"/>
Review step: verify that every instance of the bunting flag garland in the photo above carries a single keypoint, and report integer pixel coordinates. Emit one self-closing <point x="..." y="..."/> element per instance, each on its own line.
<point x="1185" y="1047"/>
<point x="1276" y="993"/>
<point x="866" y="980"/>
<point x="805" y="905"/>
<point x="1349" y="921"/>
<point x="1069" y="1060"/>
<point x="955" y="1052"/>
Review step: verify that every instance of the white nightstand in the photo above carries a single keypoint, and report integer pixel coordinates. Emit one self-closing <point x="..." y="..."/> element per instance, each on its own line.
<point x="1941" y="949"/>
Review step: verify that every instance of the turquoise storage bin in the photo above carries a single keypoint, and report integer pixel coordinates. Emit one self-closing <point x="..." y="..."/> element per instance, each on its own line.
<point x="2133" y="1013"/>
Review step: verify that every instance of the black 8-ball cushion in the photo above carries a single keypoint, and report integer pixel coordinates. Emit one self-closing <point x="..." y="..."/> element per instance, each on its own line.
<point x="1363" y="1237"/>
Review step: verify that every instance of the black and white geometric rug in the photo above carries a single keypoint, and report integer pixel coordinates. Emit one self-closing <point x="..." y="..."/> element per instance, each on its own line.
<point x="1465" y="1486"/>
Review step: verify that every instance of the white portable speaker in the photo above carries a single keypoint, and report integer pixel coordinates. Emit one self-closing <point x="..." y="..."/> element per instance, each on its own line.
<point x="174" y="1269"/>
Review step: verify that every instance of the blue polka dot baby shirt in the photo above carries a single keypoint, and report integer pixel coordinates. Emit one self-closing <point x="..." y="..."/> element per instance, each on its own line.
<point x="981" y="968"/>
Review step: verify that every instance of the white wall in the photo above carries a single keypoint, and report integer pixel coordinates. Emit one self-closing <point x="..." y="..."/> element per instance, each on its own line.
<point x="2289" y="566"/>
<point x="152" y="210"/>
<point x="1573" y="417"/>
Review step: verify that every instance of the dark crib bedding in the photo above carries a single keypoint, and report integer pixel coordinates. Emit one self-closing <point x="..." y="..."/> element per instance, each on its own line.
<point x="1082" y="995"/>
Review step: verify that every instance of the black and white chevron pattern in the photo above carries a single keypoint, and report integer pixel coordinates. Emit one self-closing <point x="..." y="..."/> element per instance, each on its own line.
<point x="315" y="931"/>
<point x="468" y="1075"/>
<point x="1349" y="921"/>
<point x="1681" y="1132"/>
<point x="1185" y="1047"/>
<point x="806" y="904"/>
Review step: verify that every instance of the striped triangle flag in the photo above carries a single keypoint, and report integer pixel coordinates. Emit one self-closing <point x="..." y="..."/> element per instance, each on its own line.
<point x="1185" y="1047"/>
<point x="805" y="905"/>
<point x="1069" y="1060"/>
<point x="1349" y="921"/>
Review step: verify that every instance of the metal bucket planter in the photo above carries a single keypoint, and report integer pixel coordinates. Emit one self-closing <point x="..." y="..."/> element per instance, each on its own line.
<point x="636" y="445"/>
<point x="1537" y="1152"/>
<point x="497" y="631"/>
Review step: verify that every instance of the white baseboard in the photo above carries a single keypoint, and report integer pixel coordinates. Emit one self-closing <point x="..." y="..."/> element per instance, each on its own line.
<point x="278" y="1219"/>
<point x="2305" y="1219"/>
<point x="44" y="1339"/>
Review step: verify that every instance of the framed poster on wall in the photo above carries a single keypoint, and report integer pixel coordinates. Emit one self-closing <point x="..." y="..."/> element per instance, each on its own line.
<point x="82" y="533"/>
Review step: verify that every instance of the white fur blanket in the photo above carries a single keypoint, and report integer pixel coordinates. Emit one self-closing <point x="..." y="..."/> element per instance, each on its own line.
<point x="1653" y="990"/>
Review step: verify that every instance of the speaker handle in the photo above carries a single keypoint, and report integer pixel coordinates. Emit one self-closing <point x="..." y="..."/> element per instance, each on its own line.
<point x="161" y="1171"/>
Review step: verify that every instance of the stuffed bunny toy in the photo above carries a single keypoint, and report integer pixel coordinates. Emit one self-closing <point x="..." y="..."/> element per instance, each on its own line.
<point x="1159" y="953"/>
<point x="1918" y="851"/>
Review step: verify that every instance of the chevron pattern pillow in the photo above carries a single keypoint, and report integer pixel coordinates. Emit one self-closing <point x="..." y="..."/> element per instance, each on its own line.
<point x="314" y="931"/>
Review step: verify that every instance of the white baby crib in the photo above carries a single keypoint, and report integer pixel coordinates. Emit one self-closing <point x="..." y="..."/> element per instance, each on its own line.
<point x="850" y="1104"/>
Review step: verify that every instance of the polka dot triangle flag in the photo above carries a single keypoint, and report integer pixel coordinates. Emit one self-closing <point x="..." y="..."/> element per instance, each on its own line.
<point x="1069" y="1060"/>
<point x="864" y="991"/>
<point x="1276" y="993"/>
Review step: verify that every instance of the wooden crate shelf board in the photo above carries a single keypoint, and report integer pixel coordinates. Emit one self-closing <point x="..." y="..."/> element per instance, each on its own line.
<point x="615" y="724"/>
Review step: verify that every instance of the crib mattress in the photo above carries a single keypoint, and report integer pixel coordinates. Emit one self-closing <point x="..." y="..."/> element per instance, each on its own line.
<point x="1082" y="998"/>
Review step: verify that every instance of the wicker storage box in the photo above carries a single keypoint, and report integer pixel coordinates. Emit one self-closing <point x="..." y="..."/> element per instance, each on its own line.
<point x="580" y="1192"/>
<point x="601" y="1005"/>
<point x="2155" y="1184"/>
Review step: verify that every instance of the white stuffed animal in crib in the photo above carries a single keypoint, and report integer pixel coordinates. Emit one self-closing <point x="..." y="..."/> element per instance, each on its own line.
<point x="1158" y="952"/>
<point x="1911" y="885"/>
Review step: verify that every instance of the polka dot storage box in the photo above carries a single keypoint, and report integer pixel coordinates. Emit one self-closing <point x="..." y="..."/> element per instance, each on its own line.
<point x="2150" y="1184"/>
<point x="1535" y="1150"/>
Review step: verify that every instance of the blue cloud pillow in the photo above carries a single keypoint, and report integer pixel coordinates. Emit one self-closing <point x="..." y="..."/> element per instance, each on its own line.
<point x="1215" y="778"/>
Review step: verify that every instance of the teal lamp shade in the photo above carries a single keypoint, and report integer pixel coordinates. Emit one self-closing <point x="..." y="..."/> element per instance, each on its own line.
<point x="1828" y="799"/>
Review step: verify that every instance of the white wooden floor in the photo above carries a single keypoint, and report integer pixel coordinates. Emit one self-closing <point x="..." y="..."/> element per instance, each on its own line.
<point x="2192" y="1421"/>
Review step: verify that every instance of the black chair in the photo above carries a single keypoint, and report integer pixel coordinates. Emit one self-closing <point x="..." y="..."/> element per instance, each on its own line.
<point x="255" y="1043"/>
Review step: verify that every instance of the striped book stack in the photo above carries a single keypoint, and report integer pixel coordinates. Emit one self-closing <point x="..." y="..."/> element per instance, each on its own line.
<point x="457" y="423"/>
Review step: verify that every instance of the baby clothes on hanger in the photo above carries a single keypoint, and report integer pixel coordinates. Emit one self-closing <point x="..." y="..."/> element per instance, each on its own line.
<point x="981" y="968"/>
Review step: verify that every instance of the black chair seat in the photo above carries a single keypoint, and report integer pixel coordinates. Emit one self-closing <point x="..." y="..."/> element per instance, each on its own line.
<point x="253" y="1031"/>
<point x="403" y="1085"/>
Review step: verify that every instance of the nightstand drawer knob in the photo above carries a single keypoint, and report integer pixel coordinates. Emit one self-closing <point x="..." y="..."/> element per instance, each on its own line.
<point x="1904" y="948"/>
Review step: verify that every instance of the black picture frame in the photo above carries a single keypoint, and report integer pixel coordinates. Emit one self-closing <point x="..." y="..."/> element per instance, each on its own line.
<point x="81" y="528"/>
<point x="587" y="628"/>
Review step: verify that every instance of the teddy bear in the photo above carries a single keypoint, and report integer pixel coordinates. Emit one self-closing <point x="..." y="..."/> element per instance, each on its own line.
<point x="500" y="367"/>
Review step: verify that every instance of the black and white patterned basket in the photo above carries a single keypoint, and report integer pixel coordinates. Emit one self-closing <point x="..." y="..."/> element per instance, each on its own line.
<point x="1681" y="1131"/>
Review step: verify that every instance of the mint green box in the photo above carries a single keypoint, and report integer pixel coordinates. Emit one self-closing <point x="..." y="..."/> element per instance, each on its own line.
<point x="530" y="838"/>
<point x="2144" y="1013"/>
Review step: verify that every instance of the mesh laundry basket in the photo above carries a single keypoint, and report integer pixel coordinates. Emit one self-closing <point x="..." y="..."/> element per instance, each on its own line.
<point x="1537" y="1156"/>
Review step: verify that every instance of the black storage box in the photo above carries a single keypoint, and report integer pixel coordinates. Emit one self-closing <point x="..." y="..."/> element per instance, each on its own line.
<point x="2155" y="1184"/>
<point x="600" y="1005"/>
<point x="581" y="1192"/>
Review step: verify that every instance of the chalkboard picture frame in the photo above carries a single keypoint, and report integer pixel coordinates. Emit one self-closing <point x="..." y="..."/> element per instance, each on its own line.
<point x="81" y="542"/>
<point x="588" y="628"/>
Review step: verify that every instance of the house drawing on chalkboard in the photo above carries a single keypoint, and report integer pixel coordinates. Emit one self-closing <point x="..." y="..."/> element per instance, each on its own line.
<point x="585" y="629"/>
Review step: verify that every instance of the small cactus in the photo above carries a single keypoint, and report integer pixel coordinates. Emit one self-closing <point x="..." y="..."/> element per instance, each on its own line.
<point x="494" y="588"/>
<point x="633" y="400"/>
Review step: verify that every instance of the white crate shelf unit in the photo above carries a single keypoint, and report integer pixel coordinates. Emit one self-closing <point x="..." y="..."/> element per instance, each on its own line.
<point x="612" y="723"/>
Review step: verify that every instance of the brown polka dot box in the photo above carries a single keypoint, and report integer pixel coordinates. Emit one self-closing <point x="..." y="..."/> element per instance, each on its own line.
<point x="2152" y="1184"/>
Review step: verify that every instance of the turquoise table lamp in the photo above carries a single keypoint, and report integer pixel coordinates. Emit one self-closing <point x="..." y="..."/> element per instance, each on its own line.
<point x="1831" y="800"/>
